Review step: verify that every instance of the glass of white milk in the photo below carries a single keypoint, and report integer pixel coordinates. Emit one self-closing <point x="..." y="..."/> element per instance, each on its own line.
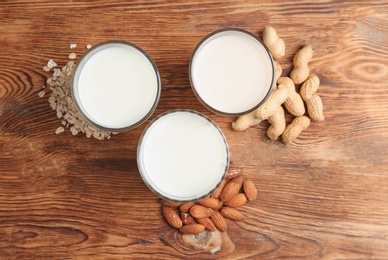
<point x="116" y="86"/>
<point x="183" y="156"/>
<point x="231" y="72"/>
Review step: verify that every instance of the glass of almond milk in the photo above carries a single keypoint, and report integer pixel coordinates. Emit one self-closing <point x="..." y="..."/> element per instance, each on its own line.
<point x="182" y="156"/>
<point x="116" y="86"/>
<point x="231" y="72"/>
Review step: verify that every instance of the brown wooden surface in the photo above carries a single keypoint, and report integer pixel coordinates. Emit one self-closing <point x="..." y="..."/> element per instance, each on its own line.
<point x="326" y="196"/>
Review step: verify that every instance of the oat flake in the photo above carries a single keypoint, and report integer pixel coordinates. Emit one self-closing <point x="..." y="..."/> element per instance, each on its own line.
<point x="51" y="64"/>
<point x="59" y="130"/>
<point x="42" y="93"/>
<point x="61" y="102"/>
<point x="72" y="56"/>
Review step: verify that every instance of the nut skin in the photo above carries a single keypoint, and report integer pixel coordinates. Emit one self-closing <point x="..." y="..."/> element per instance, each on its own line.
<point x="249" y="189"/>
<point x="186" y="218"/>
<point x="209" y="203"/>
<point x="232" y="188"/>
<point x="172" y="217"/>
<point x="169" y="204"/>
<point x="198" y="211"/>
<point x="185" y="208"/>
<point x="219" y="222"/>
<point x="233" y="172"/>
<point x="232" y="213"/>
<point x="216" y="194"/>
<point x="237" y="200"/>
<point x="211" y="213"/>
<point x="209" y="225"/>
<point x="193" y="228"/>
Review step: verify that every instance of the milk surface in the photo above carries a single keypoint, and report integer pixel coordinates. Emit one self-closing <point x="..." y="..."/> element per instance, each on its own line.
<point x="117" y="86"/>
<point x="232" y="72"/>
<point x="183" y="156"/>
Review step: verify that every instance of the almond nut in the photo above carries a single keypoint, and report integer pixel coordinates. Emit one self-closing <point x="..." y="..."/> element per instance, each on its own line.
<point x="249" y="189"/>
<point x="198" y="211"/>
<point x="170" y="204"/>
<point x="232" y="213"/>
<point x="219" y="221"/>
<point x="186" y="218"/>
<point x="220" y="204"/>
<point x="192" y="228"/>
<point x="233" y="172"/>
<point x="172" y="217"/>
<point x="236" y="201"/>
<point x="232" y="188"/>
<point x="216" y="194"/>
<point x="186" y="207"/>
<point x="209" y="203"/>
<point x="209" y="225"/>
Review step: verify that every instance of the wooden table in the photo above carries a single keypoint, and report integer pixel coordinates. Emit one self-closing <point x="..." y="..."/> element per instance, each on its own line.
<point x="324" y="196"/>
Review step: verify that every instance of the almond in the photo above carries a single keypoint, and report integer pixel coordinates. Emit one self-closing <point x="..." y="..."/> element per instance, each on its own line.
<point x="233" y="172"/>
<point x="216" y="194"/>
<point x="170" y="204"/>
<point x="219" y="221"/>
<point x="249" y="189"/>
<point x="220" y="204"/>
<point x="232" y="188"/>
<point x="209" y="203"/>
<point x="192" y="228"/>
<point x="186" y="207"/>
<point x="172" y="217"/>
<point x="232" y="213"/>
<point x="236" y="201"/>
<point x="186" y="218"/>
<point x="198" y="211"/>
<point x="209" y="225"/>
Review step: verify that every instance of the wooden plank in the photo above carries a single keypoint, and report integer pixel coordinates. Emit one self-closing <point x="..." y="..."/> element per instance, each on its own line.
<point x="325" y="196"/>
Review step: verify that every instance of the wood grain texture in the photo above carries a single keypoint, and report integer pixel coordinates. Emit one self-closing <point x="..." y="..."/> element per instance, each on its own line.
<point x="325" y="196"/>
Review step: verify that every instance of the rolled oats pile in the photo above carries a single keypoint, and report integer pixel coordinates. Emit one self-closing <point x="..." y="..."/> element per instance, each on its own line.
<point x="58" y="86"/>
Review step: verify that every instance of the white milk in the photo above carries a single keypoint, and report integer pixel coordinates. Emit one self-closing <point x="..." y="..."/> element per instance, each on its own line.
<point x="232" y="72"/>
<point x="182" y="155"/>
<point x="117" y="86"/>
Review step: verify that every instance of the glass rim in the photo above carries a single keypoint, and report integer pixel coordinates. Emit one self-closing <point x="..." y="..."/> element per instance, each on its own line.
<point x="78" y="68"/>
<point x="214" y="35"/>
<point x="143" y="173"/>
